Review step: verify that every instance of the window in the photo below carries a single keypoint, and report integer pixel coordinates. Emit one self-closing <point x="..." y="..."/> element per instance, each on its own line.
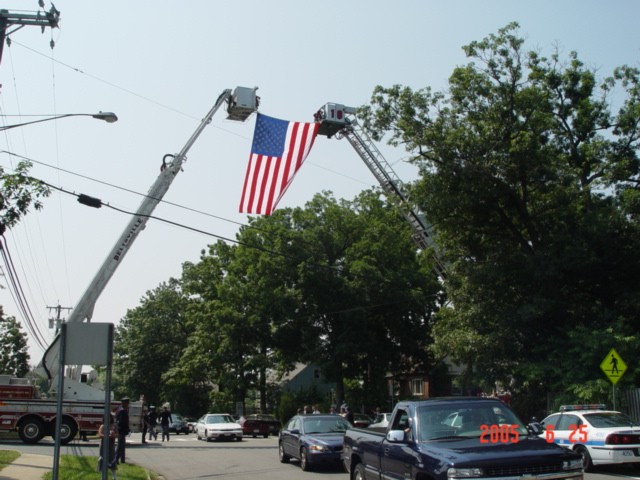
<point x="416" y="386"/>
<point x="566" y="421"/>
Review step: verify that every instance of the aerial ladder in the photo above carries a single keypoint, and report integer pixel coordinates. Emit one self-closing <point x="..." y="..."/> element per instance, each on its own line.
<point x="241" y="103"/>
<point x="340" y="121"/>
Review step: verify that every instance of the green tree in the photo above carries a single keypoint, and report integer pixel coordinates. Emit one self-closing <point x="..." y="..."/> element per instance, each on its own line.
<point x="366" y="299"/>
<point x="532" y="184"/>
<point x="149" y="343"/>
<point x="19" y="192"/>
<point x="14" y="355"/>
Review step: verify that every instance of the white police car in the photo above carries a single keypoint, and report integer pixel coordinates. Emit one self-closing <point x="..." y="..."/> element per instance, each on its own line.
<point x="601" y="436"/>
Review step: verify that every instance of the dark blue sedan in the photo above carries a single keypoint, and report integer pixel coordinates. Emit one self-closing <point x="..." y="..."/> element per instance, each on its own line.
<point x="313" y="439"/>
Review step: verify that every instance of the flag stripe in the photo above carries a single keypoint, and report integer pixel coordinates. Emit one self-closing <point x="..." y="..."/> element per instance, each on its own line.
<point x="268" y="177"/>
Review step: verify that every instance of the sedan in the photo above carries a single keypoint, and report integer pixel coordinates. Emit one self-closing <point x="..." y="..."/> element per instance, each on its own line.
<point x="178" y="425"/>
<point x="601" y="436"/>
<point x="260" y="424"/>
<point x="381" y="421"/>
<point x="218" y="426"/>
<point x="313" y="439"/>
<point x="360" y="420"/>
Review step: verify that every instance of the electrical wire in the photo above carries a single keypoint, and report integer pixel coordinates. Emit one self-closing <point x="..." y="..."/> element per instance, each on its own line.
<point x="97" y="202"/>
<point x="18" y="294"/>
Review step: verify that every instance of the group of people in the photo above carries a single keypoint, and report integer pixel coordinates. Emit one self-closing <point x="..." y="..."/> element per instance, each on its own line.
<point x="118" y="430"/>
<point x="344" y="411"/>
<point x="150" y="419"/>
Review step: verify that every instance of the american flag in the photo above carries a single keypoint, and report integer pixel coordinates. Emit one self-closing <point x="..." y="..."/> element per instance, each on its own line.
<point x="278" y="150"/>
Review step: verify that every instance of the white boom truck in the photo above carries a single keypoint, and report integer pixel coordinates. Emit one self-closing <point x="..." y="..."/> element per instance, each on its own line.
<point x="83" y="405"/>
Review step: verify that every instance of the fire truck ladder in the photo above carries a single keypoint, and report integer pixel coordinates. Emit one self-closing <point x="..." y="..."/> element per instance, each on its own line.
<point x="394" y="188"/>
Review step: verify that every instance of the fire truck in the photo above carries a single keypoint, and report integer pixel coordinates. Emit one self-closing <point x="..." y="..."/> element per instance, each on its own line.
<point x="22" y="409"/>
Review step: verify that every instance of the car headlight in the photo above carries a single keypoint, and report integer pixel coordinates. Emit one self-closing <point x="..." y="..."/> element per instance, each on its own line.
<point x="317" y="448"/>
<point x="464" y="472"/>
<point x="572" y="464"/>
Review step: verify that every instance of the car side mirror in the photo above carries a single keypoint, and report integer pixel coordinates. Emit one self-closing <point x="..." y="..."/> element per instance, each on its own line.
<point x="395" y="436"/>
<point x="295" y="431"/>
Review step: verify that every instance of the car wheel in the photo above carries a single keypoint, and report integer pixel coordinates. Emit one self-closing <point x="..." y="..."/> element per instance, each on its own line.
<point x="304" y="460"/>
<point x="266" y="435"/>
<point x="587" y="464"/>
<point x="284" y="458"/>
<point x="253" y="435"/>
<point x="358" y="473"/>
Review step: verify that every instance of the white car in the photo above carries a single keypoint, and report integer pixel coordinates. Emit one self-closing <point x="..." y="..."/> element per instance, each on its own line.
<point x="381" y="420"/>
<point x="601" y="436"/>
<point x="218" y="426"/>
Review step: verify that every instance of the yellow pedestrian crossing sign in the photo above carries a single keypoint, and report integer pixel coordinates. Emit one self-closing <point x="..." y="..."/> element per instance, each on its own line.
<point x="613" y="366"/>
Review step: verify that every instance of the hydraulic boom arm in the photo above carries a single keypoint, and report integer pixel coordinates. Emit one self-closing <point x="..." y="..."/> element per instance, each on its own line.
<point x="241" y="104"/>
<point x="336" y="119"/>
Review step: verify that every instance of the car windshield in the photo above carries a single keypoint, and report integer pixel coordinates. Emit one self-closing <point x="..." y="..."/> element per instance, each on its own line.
<point x="334" y="424"/>
<point x="464" y="420"/>
<point x="220" y="419"/>
<point x="610" y="419"/>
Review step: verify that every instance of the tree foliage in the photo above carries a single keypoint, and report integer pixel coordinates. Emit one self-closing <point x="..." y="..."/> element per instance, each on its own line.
<point x="19" y="192"/>
<point x="531" y="179"/>
<point x="337" y="283"/>
<point x="14" y="355"/>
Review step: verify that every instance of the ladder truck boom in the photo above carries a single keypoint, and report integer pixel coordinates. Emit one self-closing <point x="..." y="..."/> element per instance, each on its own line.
<point x="340" y="120"/>
<point x="241" y="103"/>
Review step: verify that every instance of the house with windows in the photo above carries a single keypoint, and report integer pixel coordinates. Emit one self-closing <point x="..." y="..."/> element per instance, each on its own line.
<point x="307" y="376"/>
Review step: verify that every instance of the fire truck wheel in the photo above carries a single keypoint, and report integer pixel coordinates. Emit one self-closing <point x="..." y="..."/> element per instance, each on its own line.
<point x="68" y="430"/>
<point x="31" y="430"/>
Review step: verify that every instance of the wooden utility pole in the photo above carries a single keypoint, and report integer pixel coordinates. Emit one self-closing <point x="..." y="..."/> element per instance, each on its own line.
<point x="20" y="19"/>
<point x="57" y="321"/>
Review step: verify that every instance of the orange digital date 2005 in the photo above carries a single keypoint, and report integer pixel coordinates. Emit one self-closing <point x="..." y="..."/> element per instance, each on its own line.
<point x="499" y="434"/>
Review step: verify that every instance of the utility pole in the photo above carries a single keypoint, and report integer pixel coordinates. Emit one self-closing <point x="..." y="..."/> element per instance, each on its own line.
<point x="20" y="19"/>
<point x="57" y="321"/>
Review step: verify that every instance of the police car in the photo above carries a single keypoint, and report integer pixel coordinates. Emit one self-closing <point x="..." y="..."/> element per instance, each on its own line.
<point x="601" y="436"/>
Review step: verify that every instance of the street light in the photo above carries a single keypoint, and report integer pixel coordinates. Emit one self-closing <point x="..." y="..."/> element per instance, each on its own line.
<point x="108" y="117"/>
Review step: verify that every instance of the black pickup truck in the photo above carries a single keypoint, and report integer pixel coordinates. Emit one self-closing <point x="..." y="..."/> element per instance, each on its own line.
<point x="456" y="438"/>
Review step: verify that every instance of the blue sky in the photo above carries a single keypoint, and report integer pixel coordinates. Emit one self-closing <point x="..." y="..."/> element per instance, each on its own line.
<point x="161" y="64"/>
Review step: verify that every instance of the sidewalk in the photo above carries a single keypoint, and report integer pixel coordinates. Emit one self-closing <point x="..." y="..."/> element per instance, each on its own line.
<point x="28" y="466"/>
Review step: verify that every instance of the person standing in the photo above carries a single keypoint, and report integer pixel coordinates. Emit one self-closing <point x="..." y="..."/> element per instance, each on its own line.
<point x="122" y="422"/>
<point x="144" y="423"/>
<point x="113" y="433"/>
<point x="165" y="420"/>
<point x="153" y="422"/>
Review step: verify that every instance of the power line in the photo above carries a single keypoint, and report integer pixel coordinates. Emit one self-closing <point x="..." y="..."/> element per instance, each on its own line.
<point x="18" y="294"/>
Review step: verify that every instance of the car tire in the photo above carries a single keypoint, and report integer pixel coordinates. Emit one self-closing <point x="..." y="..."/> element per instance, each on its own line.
<point x="266" y="435"/>
<point x="358" y="472"/>
<point x="283" y="457"/>
<point x="587" y="464"/>
<point x="304" y="460"/>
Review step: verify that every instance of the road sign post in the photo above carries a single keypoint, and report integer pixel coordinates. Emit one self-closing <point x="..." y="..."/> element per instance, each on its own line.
<point x="613" y="367"/>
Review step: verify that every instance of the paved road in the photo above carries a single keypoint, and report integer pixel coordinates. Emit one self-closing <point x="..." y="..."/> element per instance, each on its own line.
<point x="186" y="458"/>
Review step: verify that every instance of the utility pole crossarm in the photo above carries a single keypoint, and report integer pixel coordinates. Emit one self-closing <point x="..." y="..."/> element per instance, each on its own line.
<point x="42" y="19"/>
